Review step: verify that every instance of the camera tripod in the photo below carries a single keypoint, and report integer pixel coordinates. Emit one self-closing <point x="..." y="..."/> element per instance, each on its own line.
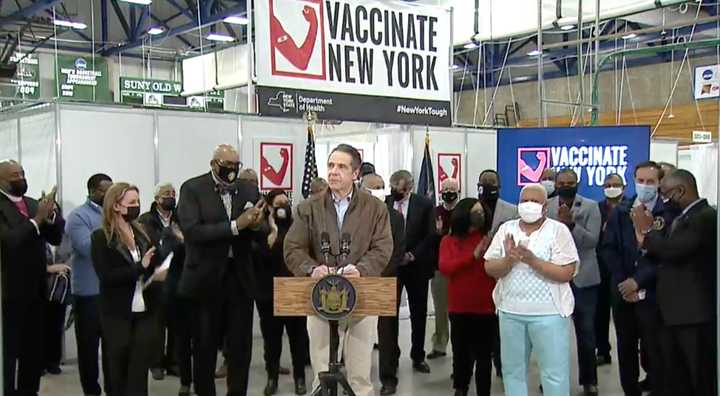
<point x="329" y="380"/>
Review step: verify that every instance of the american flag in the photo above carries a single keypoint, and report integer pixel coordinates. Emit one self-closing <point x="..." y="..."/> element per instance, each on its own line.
<point x="311" y="171"/>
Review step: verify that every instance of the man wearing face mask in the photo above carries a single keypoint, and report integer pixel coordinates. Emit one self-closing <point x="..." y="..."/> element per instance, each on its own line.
<point x="582" y="217"/>
<point x="613" y="189"/>
<point x="686" y="285"/>
<point x="272" y="264"/>
<point x="159" y="223"/>
<point x="26" y="225"/>
<point x="81" y="223"/>
<point x="219" y="218"/>
<point x="388" y="326"/>
<point x="547" y="179"/>
<point x="633" y="278"/>
<point x="449" y="192"/>
<point x="417" y="267"/>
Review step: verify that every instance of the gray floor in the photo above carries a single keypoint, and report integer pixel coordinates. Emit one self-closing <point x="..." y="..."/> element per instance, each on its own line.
<point x="436" y="383"/>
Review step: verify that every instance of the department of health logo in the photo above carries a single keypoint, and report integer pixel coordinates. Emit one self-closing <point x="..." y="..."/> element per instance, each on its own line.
<point x="334" y="297"/>
<point x="80" y="64"/>
<point x="707" y="75"/>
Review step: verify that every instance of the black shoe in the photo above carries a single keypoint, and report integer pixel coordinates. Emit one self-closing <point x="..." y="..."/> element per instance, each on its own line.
<point x="645" y="385"/>
<point x="376" y="347"/>
<point x="460" y="392"/>
<point x="388" y="389"/>
<point x="271" y="387"/>
<point x="158" y="374"/>
<point x="300" y="388"/>
<point x="184" y="391"/>
<point x="590" y="390"/>
<point x="604" y="360"/>
<point x="436" y="354"/>
<point x="421" y="367"/>
<point x="173" y="371"/>
<point x="284" y="371"/>
<point x="54" y="370"/>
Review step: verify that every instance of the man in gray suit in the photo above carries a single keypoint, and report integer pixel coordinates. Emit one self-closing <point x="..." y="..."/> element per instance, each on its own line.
<point x="500" y="212"/>
<point x="582" y="217"/>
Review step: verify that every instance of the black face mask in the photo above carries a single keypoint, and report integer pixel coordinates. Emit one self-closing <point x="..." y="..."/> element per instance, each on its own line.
<point x="671" y="202"/>
<point x="18" y="188"/>
<point x="488" y="193"/>
<point x="228" y="174"/>
<point x="477" y="219"/>
<point x="133" y="212"/>
<point x="449" y="196"/>
<point x="567" y="192"/>
<point x="168" y="204"/>
<point x="97" y="200"/>
<point x="397" y="195"/>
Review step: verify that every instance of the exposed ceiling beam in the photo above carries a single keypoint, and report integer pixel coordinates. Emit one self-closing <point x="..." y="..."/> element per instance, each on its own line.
<point x="212" y="19"/>
<point x="121" y="17"/>
<point x="165" y="25"/>
<point x="31" y="10"/>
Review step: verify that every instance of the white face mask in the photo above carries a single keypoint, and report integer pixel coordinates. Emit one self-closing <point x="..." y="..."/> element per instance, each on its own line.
<point x="379" y="194"/>
<point x="549" y="186"/>
<point x="613" y="192"/>
<point x="530" y="212"/>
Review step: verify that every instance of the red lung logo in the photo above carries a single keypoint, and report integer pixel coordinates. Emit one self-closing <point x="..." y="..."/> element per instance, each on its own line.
<point x="531" y="163"/>
<point x="448" y="167"/>
<point x="276" y="161"/>
<point x="297" y="38"/>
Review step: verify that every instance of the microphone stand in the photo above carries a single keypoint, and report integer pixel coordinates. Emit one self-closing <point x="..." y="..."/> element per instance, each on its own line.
<point x="334" y="376"/>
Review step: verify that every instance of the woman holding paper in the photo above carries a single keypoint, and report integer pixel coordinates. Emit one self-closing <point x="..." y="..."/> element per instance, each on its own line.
<point x="129" y="293"/>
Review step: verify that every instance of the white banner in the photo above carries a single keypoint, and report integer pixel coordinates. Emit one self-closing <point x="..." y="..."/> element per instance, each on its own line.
<point x="361" y="47"/>
<point x="707" y="82"/>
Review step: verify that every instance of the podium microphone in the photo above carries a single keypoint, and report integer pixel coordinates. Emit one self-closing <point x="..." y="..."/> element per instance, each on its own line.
<point x="325" y="246"/>
<point x="344" y="247"/>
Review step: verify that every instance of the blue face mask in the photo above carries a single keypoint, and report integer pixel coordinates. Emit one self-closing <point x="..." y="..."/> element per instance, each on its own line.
<point x="646" y="193"/>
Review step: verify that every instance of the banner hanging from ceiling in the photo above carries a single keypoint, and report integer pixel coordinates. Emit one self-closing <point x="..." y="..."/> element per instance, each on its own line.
<point x="83" y="78"/>
<point x="592" y="152"/>
<point x="360" y="60"/>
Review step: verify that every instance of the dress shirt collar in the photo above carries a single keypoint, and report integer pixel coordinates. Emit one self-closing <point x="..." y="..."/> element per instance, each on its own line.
<point x="12" y="198"/>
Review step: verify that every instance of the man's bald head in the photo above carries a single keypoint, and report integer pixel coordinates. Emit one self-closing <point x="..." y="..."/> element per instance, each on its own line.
<point x="226" y="153"/>
<point x="12" y="174"/>
<point x="226" y="163"/>
<point x="249" y="175"/>
<point x="372" y="181"/>
<point x="450" y="185"/>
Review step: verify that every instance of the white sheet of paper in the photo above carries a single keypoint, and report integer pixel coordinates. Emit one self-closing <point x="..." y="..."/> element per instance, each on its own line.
<point x="163" y="267"/>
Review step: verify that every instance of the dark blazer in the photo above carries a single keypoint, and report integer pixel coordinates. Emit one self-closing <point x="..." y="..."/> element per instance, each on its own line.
<point x="419" y="231"/>
<point x="118" y="274"/>
<point x="208" y="238"/>
<point x="687" y="286"/>
<point x="24" y="262"/>
<point x="397" y="227"/>
<point x="165" y="240"/>
<point x="620" y="252"/>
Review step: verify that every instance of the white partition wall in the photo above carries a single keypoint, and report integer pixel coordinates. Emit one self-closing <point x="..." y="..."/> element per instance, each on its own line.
<point x="482" y="154"/>
<point x="9" y="148"/>
<point x="119" y="142"/>
<point x="447" y="150"/>
<point x="664" y="151"/>
<point x="186" y="142"/>
<point x="37" y="144"/>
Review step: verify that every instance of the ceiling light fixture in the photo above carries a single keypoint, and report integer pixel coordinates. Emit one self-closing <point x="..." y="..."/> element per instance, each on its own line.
<point x="629" y="36"/>
<point x="470" y="45"/>
<point x="534" y="52"/>
<point x="70" y="24"/>
<point x="567" y="27"/>
<point x="219" y="37"/>
<point x="154" y="31"/>
<point x="236" y="20"/>
<point x="139" y="2"/>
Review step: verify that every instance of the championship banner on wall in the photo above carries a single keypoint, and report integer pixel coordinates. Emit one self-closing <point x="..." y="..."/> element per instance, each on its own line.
<point x="449" y="166"/>
<point x="167" y="94"/>
<point x="26" y="83"/>
<point x="592" y="152"/>
<point x="707" y="82"/>
<point x="276" y="166"/>
<point x="360" y="60"/>
<point x="83" y="78"/>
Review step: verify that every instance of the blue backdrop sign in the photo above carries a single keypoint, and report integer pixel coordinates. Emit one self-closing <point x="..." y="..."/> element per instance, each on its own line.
<point x="593" y="152"/>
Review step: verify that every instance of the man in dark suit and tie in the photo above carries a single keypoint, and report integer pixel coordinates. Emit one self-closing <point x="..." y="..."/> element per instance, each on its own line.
<point x="686" y="286"/>
<point x="416" y="269"/>
<point x="389" y="350"/>
<point x="220" y="217"/>
<point x="26" y="226"/>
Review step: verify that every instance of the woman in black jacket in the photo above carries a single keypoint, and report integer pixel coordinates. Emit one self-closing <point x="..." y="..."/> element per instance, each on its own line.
<point x="273" y="264"/>
<point x="122" y="256"/>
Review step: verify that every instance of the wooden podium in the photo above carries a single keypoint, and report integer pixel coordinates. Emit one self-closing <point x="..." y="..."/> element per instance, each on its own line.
<point x="375" y="296"/>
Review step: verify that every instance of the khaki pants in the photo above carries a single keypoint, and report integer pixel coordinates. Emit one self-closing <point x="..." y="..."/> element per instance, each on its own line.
<point x="439" y="289"/>
<point x="356" y="339"/>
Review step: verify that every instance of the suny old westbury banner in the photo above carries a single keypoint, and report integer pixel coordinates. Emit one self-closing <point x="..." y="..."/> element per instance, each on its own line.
<point x="360" y="60"/>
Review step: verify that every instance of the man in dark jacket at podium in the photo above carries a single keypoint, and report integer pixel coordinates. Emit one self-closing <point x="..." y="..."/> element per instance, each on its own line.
<point x="343" y="209"/>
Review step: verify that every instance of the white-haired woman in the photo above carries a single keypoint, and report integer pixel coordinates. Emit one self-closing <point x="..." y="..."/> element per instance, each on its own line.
<point x="534" y="259"/>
